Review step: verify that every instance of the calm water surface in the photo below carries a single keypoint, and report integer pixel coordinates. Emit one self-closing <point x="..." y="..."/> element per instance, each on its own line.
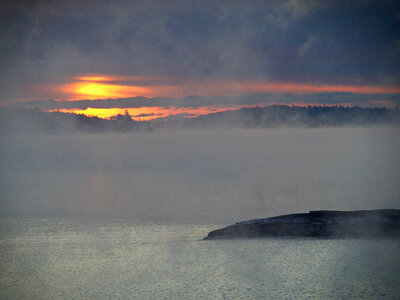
<point x="64" y="259"/>
<point x="52" y="187"/>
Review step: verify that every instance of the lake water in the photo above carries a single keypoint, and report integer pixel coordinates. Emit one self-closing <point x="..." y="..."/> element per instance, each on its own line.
<point x="64" y="259"/>
<point x="119" y="216"/>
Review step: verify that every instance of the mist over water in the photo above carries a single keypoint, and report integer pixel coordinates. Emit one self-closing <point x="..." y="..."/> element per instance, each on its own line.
<point x="120" y="216"/>
<point x="199" y="176"/>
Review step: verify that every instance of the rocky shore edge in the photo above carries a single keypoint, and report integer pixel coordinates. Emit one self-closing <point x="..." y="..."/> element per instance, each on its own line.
<point x="382" y="223"/>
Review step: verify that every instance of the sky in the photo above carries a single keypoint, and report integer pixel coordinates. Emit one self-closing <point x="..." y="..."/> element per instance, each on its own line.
<point x="186" y="58"/>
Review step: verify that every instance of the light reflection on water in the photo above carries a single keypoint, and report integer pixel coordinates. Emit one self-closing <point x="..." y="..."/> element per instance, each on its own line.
<point x="59" y="258"/>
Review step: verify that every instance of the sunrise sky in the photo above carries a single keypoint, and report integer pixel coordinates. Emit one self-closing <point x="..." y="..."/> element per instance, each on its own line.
<point x="187" y="58"/>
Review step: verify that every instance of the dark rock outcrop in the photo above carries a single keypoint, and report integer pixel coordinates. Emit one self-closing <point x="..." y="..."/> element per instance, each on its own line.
<point x="384" y="223"/>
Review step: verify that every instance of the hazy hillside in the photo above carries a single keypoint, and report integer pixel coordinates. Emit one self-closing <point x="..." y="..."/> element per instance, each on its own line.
<point x="294" y="116"/>
<point x="34" y="120"/>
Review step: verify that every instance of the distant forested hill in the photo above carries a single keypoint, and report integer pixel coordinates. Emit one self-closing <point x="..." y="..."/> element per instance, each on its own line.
<point x="34" y="120"/>
<point x="294" y="116"/>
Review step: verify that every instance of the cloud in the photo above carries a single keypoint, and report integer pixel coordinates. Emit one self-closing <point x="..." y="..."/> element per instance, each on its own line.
<point x="146" y="115"/>
<point x="101" y="86"/>
<point x="310" y="42"/>
<point x="198" y="101"/>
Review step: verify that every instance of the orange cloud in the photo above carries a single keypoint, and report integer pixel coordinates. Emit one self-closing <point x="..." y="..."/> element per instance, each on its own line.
<point x="98" y="90"/>
<point x="93" y="87"/>
<point x="96" y="78"/>
<point x="230" y="88"/>
<point x="100" y="86"/>
<point x="297" y="88"/>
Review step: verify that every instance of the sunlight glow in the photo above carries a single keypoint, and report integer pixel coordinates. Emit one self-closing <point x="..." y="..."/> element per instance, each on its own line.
<point x="99" y="90"/>
<point x="93" y="87"/>
<point x="103" y="86"/>
<point x="149" y="113"/>
<point x="100" y="86"/>
<point x="95" y="78"/>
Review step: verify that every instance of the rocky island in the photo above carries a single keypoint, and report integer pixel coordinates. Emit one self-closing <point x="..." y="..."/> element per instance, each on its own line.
<point x="383" y="223"/>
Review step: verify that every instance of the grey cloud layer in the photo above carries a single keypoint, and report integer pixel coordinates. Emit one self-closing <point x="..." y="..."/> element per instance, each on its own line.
<point x="303" y="41"/>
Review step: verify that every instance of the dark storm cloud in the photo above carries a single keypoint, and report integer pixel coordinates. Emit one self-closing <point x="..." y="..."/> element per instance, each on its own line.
<point x="46" y="42"/>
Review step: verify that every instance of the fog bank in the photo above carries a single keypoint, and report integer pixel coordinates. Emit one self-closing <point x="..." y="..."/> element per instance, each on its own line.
<point x="204" y="176"/>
